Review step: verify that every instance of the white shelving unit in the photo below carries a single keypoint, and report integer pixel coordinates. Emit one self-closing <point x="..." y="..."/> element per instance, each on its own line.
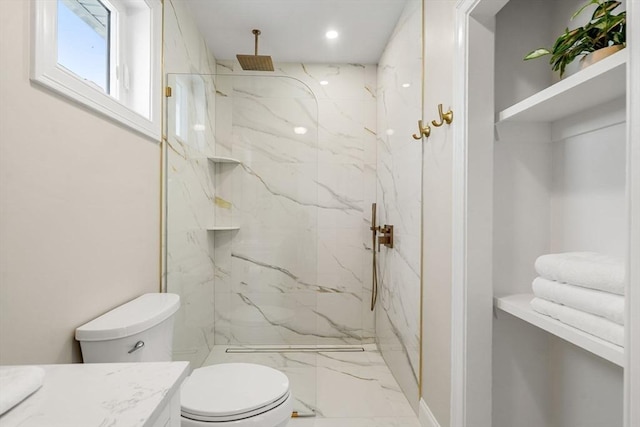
<point x="543" y="168"/>
<point x="544" y="173"/>
<point x="598" y="84"/>
<point x="593" y="86"/>
<point x="520" y="306"/>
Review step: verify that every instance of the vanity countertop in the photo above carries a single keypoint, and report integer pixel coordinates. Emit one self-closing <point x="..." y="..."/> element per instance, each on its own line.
<point x="99" y="394"/>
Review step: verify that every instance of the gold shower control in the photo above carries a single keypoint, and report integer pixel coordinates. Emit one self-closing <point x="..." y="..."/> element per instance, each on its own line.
<point x="386" y="236"/>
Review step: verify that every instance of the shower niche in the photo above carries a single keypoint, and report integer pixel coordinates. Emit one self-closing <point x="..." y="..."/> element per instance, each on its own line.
<point x="222" y="171"/>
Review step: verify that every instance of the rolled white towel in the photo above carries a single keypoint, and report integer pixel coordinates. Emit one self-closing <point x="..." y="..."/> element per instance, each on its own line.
<point x="586" y="269"/>
<point x="604" y="304"/>
<point x="594" y="325"/>
<point x="17" y="383"/>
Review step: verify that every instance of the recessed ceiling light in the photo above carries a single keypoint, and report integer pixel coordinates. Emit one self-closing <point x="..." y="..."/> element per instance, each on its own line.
<point x="198" y="128"/>
<point x="324" y="82"/>
<point x="390" y="132"/>
<point x="406" y="84"/>
<point x="331" y="34"/>
<point x="300" y="130"/>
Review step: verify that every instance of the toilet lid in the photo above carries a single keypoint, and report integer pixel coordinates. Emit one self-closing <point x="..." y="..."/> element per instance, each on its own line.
<point x="232" y="391"/>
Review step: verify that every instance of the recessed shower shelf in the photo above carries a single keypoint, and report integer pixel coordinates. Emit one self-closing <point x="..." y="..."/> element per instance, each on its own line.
<point x="519" y="305"/>
<point x="226" y="228"/>
<point x="595" y="85"/>
<point x="219" y="159"/>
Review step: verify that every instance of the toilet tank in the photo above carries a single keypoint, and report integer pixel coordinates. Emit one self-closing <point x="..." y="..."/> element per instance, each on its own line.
<point x="138" y="331"/>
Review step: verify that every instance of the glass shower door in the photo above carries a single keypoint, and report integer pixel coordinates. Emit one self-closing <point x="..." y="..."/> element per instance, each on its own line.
<point x="251" y="152"/>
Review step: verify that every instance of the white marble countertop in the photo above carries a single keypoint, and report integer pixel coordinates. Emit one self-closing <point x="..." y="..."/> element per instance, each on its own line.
<point x="99" y="394"/>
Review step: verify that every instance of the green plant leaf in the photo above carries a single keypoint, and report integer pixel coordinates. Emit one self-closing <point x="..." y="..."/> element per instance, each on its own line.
<point x="537" y="53"/>
<point x="605" y="8"/>
<point x="568" y="39"/>
<point x="618" y="38"/>
<point x="608" y="25"/>
<point x="615" y="20"/>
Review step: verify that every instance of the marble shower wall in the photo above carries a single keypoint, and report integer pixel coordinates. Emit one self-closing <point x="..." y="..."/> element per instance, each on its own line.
<point x="190" y="192"/>
<point x="298" y="270"/>
<point x="399" y="199"/>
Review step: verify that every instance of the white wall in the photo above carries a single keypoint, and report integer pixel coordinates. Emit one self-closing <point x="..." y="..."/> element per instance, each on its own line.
<point x="399" y="165"/>
<point x="79" y="210"/>
<point x="437" y="211"/>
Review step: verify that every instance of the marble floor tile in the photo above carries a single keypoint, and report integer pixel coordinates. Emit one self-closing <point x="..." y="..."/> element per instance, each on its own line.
<point x="345" y="389"/>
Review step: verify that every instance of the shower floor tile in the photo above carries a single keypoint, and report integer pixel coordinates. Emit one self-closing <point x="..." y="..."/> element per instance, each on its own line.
<point x="345" y="389"/>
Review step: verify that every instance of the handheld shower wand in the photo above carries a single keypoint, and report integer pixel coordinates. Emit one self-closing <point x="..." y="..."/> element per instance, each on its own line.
<point x="386" y="239"/>
<point x="374" y="232"/>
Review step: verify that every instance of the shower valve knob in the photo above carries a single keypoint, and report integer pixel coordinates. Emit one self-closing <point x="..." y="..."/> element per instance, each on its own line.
<point x="386" y="237"/>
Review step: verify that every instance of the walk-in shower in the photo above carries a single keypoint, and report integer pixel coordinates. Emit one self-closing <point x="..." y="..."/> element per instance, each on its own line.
<point x="247" y="221"/>
<point x="270" y="178"/>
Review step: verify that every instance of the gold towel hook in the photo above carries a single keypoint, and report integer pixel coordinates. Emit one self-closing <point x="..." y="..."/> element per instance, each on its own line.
<point x="422" y="131"/>
<point x="444" y="117"/>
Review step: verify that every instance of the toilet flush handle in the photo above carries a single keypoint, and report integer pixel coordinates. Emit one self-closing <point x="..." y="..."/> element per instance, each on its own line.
<point x="137" y="347"/>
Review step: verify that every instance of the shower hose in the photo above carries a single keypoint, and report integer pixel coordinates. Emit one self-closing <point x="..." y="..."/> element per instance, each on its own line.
<point x="374" y="231"/>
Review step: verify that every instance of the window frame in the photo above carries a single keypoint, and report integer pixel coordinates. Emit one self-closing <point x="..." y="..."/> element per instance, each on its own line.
<point x="46" y="71"/>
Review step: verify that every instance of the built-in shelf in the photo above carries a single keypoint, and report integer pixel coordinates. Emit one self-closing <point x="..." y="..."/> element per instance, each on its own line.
<point x="520" y="307"/>
<point x="218" y="159"/>
<point x="597" y="84"/>
<point x="231" y="161"/>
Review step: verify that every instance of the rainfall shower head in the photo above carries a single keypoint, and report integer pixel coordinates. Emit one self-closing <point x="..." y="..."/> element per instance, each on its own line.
<point x="255" y="62"/>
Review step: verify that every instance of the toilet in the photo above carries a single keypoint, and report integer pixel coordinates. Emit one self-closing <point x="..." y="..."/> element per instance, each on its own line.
<point x="224" y="395"/>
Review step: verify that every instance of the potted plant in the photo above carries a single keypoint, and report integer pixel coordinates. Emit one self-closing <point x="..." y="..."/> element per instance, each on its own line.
<point x="603" y="31"/>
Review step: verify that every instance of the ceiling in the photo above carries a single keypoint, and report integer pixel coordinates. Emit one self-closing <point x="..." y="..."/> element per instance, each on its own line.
<point x="294" y="30"/>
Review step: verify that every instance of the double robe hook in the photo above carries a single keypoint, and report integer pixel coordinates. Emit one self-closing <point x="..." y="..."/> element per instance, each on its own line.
<point x="422" y="131"/>
<point x="444" y="117"/>
<point x="426" y="130"/>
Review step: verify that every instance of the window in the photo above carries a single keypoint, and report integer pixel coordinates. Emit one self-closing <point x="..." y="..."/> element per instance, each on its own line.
<point x="83" y="40"/>
<point x="103" y="53"/>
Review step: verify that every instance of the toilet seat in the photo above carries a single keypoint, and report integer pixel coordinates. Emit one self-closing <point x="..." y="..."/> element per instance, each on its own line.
<point x="232" y="391"/>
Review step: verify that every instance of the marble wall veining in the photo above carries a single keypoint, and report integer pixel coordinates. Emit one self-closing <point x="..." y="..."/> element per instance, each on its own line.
<point x="189" y="188"/>
<point x="298" y="270"/>
<point x="399" y="168"/>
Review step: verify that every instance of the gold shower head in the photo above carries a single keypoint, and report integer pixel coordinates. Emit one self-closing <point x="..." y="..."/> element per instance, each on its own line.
<point x="255" y="62"/>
